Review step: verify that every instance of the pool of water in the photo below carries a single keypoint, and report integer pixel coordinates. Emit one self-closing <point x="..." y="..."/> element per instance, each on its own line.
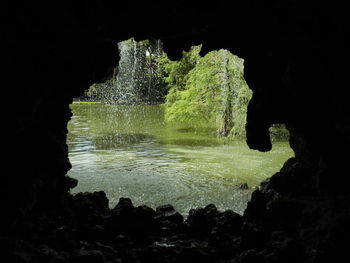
<point x="130" y="151"/>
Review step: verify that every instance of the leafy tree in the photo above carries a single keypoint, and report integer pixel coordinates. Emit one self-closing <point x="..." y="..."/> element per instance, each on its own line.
<point x="211" y="91"/>
<point x="154" y="89"/>
<point x="175" y="73"/>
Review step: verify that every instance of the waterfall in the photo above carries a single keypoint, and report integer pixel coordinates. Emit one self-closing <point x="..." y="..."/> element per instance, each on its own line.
<point x="122" y="81"/>
<point x="135" y="79"/>
<point x="132" y="91"/>
<point x="130" y="73"/>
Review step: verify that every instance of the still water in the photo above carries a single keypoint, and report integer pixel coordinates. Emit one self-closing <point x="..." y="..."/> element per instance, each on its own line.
<point x="129" y="151"/>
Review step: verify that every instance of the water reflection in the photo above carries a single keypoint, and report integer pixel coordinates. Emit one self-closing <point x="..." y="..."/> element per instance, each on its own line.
<point x="129" y="151"/>
<point x="115" y="140"/>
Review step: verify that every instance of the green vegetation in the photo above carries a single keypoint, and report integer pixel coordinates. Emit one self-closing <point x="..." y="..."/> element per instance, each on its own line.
<point x="129" y="150"/>
<point x="204" y="91"/>
<point x="207" y="91"/>
<point x="98" y="91"/>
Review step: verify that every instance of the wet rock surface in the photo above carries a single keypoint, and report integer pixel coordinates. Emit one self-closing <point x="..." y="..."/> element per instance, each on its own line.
<point x="274" y="228"/>
<point x="84" y="229"/>
<point x="296" y="62"/>
<point x="277" y="226"/>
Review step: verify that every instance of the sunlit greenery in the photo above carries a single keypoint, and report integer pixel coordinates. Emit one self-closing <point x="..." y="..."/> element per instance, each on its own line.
<point x="207" y="91"/>
<point x="129" y="150"/>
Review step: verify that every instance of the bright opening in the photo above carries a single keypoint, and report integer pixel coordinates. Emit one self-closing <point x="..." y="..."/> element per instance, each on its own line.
<point x="170" y="132"/>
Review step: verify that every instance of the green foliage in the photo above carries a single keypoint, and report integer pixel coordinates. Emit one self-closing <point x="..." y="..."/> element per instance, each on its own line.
<point x="175" y="73"/>
<point x="207" y="91"/>
<point x="279" y="132"/>
<point x="98" y="91"/>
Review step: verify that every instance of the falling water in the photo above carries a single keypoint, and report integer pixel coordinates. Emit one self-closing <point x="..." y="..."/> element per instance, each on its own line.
<point x="129" y="151"/>
<point x="136" y="81"/>
<point x="125" y="80"/>
<point x="126" y="148"/>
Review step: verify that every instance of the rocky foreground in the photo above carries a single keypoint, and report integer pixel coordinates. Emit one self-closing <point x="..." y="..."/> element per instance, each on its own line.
<point x="276" y="227"/>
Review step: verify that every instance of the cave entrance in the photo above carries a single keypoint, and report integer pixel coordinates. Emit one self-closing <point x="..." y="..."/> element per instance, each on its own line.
<point x="161" y="131"/>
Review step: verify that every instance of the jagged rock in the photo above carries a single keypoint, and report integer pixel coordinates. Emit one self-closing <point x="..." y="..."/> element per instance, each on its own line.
<point x="282" y="214"/>
<point x="87" y="256"/>
<point x="304" y="52"/>
<point x="287" y="179"/>
<point x="230" y="222"/>
<point x="48" y="255"/>
<point x="123" y="207"/>
<point x="205" y="220"/>
<point x="69" y="183"/>
<point x="127" y="219"/>
<point x="249" y="256"/>
<point x="254" y="237"/>
<point x="256" y="206"/>
<point x="202" y="220"/>
<point x="167" y="215"/>
<point x="145" y="219"/>
<point x="122" y="217"/>
<point x="91" y="203"/>
<point x="285" y="248"/>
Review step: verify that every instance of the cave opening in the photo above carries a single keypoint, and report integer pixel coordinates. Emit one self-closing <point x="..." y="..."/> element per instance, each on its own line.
<point x="296" y="63"/>
<point x="165" y="131"/>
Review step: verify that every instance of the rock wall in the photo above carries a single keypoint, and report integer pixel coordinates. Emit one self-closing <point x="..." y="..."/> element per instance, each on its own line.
<point x="296" y="56"/>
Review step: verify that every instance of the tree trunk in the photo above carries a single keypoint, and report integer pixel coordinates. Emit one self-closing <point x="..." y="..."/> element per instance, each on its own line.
<point x="227" y="123"/>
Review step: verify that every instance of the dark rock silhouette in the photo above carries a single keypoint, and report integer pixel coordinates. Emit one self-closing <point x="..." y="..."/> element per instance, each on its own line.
<point x="296" y="62"/>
